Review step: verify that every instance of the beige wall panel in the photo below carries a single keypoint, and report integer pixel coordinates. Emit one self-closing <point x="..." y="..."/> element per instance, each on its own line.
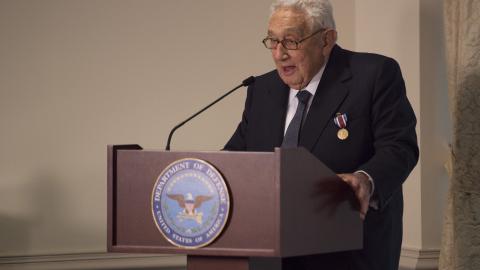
<point x="78" y="75"/>
<point x="436" y="121"/>
<point x="344" y="12"/>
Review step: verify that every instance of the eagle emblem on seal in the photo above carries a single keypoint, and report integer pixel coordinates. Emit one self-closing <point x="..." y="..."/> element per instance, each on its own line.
<point x="189" y="204"/>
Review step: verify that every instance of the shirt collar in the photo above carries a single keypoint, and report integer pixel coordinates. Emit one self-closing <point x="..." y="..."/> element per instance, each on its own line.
<point x="312" y="85"/>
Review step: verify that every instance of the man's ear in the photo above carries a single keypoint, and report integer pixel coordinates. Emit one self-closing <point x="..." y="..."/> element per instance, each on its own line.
<point x="329" y="41"/>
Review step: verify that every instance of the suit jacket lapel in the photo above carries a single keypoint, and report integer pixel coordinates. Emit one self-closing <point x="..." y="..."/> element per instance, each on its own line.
<point x="330" y="94"/>
<point x="278" y="97"/>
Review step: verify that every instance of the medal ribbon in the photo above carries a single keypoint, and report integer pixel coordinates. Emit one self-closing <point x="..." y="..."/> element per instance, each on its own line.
<point x="340" y="120"/>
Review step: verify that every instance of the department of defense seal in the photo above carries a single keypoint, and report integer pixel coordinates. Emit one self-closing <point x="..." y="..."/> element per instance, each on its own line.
<point x="190" y="203"/>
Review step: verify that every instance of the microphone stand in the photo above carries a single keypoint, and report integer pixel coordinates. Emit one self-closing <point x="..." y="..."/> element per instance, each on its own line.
<point x="245" y="82"/>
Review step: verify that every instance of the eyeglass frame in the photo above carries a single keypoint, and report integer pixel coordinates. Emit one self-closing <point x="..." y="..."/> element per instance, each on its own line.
<point x="297" y="43"/>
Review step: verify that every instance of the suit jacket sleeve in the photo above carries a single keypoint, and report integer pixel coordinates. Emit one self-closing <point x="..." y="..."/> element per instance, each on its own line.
<point x="393" y="128"/>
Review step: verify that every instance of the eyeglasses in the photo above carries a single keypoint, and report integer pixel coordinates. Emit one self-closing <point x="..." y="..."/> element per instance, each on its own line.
<point x="289" y="44"/>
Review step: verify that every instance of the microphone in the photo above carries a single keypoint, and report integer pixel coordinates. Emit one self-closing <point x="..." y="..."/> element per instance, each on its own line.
<point x="245" y="82"/>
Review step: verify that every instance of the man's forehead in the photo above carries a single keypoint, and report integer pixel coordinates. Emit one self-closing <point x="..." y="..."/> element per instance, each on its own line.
<point x="286" y="31"/>
<point x="287" y="21"/>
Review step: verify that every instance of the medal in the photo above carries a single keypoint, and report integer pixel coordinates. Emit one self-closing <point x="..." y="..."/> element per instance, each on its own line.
<point x="342" y="134"/>
<point x="340" y="121"/>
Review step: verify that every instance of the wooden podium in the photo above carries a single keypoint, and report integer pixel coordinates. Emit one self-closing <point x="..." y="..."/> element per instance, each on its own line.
<point x="284" y="203"/>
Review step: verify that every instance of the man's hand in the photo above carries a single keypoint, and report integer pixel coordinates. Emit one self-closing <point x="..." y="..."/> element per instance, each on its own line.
<point x="362" y="187"/>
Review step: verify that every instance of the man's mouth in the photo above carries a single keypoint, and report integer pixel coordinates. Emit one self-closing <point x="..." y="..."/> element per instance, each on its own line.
<point x="288" y="70"/>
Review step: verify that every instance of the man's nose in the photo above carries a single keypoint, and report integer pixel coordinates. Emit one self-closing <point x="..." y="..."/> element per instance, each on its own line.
<point x="280" y="53"/>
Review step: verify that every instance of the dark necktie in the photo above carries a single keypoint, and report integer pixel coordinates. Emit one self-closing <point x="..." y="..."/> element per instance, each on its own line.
<point x="293" y="130"/>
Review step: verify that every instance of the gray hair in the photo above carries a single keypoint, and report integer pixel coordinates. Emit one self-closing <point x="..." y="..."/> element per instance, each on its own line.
<point x="319" y="11"/>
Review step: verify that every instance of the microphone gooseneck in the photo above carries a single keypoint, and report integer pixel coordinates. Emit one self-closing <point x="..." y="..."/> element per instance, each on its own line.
<point x="245" y="82"/>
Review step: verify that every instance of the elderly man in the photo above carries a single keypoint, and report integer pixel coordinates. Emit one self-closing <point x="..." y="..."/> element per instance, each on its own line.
<point x="349" y="109"/>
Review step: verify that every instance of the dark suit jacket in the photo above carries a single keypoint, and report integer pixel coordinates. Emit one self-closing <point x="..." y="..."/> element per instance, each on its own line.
<point x="370" y="89"/>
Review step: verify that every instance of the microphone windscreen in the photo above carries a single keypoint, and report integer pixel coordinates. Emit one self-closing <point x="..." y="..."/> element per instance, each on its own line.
<point x="248" y="81"/>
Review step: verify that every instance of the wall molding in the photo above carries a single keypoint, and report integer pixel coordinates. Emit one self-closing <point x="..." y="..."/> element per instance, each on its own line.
<point x="412" y="258"/>
<point x="94" y="261"/>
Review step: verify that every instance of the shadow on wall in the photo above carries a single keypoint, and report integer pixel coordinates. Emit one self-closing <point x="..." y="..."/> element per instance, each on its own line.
<point x="45" y="220"/>
<point x="14" y="234"/>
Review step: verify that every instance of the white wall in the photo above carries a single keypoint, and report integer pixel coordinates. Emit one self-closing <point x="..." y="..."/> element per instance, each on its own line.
<point x="436" y="121"/>
<point x="78" y="75"/>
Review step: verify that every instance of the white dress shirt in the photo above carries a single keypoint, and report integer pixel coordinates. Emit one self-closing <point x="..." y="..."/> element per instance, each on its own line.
<point x="293" y="100"/>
